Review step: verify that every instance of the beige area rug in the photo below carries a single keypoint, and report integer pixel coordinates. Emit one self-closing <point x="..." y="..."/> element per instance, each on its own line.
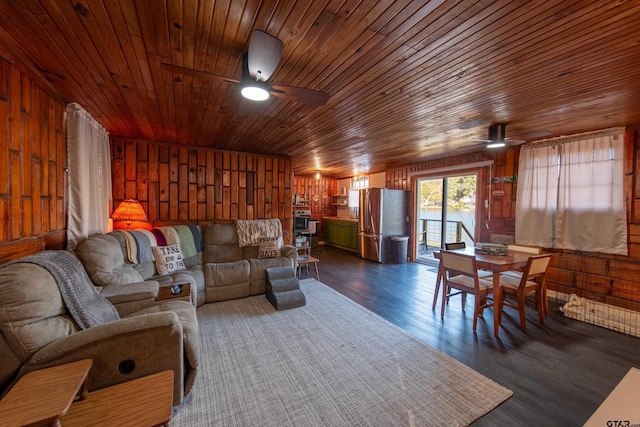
<point x="329" y="363"/>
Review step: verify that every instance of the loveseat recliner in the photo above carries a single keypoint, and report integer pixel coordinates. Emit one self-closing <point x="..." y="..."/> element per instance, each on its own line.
<point x="232" y="265"/>
<point x="38" y="329"/>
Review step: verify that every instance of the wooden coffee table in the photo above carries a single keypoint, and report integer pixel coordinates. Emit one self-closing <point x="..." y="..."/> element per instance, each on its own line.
<point x="145" y="401"/>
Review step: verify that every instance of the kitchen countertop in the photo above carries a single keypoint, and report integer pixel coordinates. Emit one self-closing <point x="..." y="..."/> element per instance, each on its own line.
<point x="339" y="218"/>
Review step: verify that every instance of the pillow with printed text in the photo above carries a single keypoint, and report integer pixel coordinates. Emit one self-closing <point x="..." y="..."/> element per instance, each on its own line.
<point x="168" y="259"/>
<point x="269" y="247"/>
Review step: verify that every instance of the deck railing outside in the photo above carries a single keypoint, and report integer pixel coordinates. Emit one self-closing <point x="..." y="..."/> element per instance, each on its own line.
<point x="431" y="231"/>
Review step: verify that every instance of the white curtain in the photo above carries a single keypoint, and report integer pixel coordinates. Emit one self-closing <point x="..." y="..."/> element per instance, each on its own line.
<point x="571" y="193"/>
<point x="89" y="178"/>
<point x="537" y="195"/>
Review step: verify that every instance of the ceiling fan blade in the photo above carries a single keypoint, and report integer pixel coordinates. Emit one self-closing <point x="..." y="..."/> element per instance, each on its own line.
<point x="512" y="142"/>
<point x="264" y="54"/>
<point x="198" y="74"/>
<point x="300" y="94"/>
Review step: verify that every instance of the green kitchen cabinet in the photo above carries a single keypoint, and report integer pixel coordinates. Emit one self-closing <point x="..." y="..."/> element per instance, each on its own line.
<point x="341" y="233"/>
<point x="354" y="236"/>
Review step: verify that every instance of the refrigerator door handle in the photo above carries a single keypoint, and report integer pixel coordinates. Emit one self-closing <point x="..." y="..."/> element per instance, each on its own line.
<point x="367" y="211"/>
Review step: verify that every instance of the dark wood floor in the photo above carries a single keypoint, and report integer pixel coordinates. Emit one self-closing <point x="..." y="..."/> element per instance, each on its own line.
<point x="559" y="372"/>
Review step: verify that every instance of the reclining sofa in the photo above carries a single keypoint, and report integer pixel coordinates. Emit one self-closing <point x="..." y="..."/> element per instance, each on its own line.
<point x="226" y="263"/>
<point x="220" y="262"/>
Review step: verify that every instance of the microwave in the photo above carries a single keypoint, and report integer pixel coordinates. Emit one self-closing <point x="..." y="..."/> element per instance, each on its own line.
<point x="300" y="223"/>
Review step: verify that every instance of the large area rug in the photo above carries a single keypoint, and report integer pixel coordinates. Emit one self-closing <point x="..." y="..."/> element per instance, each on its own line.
<point x="329" y="363"/>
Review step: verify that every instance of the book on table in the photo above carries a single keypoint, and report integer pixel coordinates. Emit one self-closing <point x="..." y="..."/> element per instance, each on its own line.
<point x="492" y="249"/>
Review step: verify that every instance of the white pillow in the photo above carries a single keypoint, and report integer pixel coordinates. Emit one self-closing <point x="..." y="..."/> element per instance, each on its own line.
<point x="168" y="259"/>
<point x="269" y="247"/>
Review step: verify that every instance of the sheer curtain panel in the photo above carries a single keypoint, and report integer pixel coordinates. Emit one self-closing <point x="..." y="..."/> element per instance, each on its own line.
<point x="89" y="178"/>
<point x="591" y="206"/>
<point x="571" y="193"/>
<point x="537" y="195"/>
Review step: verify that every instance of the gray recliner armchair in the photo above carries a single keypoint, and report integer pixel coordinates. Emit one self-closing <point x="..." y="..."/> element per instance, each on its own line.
<point x="39" y="330"/>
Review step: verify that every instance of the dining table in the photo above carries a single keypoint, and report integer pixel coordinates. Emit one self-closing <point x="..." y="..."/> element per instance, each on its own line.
<point x="496" y="264"/>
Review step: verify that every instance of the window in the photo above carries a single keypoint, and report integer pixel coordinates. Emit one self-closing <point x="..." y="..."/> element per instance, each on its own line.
<point x="360" y="182"/>
<point x="571" y="193"/>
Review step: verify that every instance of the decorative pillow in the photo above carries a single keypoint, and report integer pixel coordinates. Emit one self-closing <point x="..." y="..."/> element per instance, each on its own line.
<point x="168" y="259"/>
<point x="269" y="247"/>
<point x="251" y="230"/>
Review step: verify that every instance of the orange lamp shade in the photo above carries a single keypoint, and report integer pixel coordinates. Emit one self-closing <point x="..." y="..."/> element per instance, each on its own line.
<point x="129" y="211"/>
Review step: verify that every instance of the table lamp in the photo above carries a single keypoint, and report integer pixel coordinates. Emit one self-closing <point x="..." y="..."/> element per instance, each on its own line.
<point x="129" y="211"/>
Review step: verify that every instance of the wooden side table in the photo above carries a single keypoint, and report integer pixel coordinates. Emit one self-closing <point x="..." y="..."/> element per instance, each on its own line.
<point x="306" y="261"/>
<point x="43" y="397"/>
<point x="145" y="401"/>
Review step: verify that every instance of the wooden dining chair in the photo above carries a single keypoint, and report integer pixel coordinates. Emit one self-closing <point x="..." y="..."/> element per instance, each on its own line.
<point x="531" y="282"/>
<point x="525" y="248"/>
<point x="451" y="246"/>
<point x="535" y="250"/>
<point x="460" y="272"/>
<point x="455" y="245"/>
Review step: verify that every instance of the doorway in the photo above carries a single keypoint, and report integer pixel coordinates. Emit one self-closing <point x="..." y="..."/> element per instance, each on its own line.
<point x="446" y="212"/>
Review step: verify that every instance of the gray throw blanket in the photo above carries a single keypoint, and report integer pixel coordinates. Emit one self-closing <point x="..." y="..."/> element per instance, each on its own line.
<point x="85" y="304"/>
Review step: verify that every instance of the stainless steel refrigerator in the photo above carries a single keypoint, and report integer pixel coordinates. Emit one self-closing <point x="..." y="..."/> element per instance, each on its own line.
<point x="383" y="214"/>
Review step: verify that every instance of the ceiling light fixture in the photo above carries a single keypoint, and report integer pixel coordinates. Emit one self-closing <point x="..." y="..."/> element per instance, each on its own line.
<point x="255" y="93"/>
<point x="255" y="90"/>
<point x="496" y="144"/>
<point x="497" y="136"/>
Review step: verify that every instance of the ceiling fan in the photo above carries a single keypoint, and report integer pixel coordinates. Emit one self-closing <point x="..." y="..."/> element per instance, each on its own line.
<point x="498" y="139"/>
<point x="258" y="64"/>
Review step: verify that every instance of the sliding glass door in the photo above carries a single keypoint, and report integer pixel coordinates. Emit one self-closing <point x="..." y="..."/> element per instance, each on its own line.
<point x="446" y="212"/>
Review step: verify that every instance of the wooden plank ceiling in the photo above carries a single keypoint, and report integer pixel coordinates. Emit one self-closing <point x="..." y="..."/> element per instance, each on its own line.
<point x="409" y="80"/>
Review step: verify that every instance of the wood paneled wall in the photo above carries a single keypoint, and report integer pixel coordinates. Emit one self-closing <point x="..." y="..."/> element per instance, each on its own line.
<point x="178" y="184"/>
<point x="603" y="277"/>
<point x="318" y="192"/>
<point x="32" y="167"/>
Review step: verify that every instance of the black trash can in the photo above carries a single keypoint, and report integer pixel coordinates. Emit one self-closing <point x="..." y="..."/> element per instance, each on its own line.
<point x="399" y="249"/>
